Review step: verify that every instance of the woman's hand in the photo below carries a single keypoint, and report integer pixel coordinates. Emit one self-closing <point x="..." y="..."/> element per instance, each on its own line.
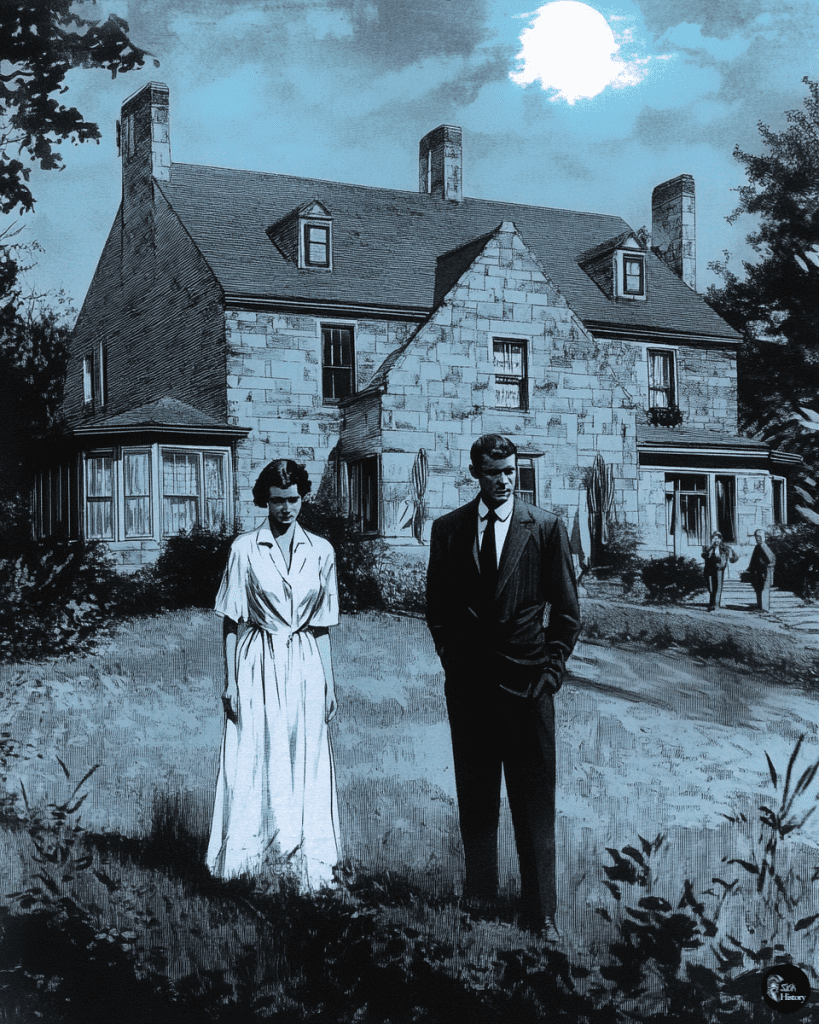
<point x="330" y="703"/>
<point x="230" y="702"/>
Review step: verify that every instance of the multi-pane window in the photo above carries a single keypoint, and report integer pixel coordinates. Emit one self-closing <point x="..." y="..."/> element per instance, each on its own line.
<point x="155" y="491"/>
<point x="511" y="390"/>
<point x="726" y="495"/>
<point x="88" y="380"/>
<point x="661" y="391"/>
<point x="338" y="363"/>
<point x="634" y="274"/>
<point x="687" y="510"/>
<point x="316" y="245"/>
<point x="136" y="482"/>
<point x="364" y="494"/>
<point x="99" y="490"/>
<point x="525" y="486"/>
<point x="180" y="491"/>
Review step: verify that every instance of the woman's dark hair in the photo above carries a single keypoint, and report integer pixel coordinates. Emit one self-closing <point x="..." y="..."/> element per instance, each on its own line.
<point x="491" y="446"/>
<point x="282" y="473"/>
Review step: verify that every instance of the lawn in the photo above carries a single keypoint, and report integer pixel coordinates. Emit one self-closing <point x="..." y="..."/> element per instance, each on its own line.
<point x="648" y="745"/>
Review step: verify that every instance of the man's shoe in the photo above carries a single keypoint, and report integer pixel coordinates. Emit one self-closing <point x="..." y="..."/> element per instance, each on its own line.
<point x="549" y="932"/>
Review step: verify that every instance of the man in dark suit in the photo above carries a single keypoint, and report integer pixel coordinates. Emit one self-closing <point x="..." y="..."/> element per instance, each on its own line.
<point x="494" y="566"/>
<point x="761" y="569"/>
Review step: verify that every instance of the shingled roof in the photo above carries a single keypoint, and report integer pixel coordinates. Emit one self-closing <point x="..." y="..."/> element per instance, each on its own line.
<point x="386" y="246"/>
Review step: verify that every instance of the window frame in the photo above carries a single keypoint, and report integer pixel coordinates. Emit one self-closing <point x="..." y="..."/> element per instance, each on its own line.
<point x="328" y="326"/>
<point x="522" y="380"/>
<point x="356" y="493"/>
<point x="728" y="528"/>
<point x="532" y="466"/>
<point x="88" y="381"/>
<point x="621" y="256"/>
<point x="125" y="453"/>
<point x="88" y="499"/>
<point x="779" y="497"/>
<point x="305" y="226"/>
<point x="655" y="350"/>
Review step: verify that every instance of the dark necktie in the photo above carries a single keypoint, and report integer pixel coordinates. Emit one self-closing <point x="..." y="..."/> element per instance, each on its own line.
<point x="489" y="557"/>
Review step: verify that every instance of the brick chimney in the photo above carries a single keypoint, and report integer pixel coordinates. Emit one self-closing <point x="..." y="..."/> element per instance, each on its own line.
<point x="440" y="163"/>
<point x="673" y="227"/>
<point x="145" y="147"/>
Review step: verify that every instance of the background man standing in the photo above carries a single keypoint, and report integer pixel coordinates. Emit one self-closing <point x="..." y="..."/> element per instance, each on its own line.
<point x="761" y="569"/>
<point x="494" y="566"/>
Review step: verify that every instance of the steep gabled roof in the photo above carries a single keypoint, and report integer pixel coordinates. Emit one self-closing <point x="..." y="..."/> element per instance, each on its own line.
<point x="387" y="244"/>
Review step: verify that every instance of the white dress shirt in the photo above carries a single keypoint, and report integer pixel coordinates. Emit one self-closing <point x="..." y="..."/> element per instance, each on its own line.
<point x="504" y="514"/>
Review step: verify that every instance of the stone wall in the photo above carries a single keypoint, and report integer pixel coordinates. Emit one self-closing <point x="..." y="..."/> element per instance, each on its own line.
<point x="440" y="393"/>
<point x="706" y="385"/>
<point x="274" y="386"/>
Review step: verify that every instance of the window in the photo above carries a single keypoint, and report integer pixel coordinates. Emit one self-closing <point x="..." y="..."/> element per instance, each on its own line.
<point x="338" y="363"/>
<point x="180" y="491"/>
<point x="634" y="274"/>
<point x="317" y="245"/>
<point x="779" y="508"/>
<point x="726" y="495"/>
<point x="364" y="494"/>
<point x="88" y="380"/>
<point x="525" y="485"/>
<point x="194" y="490"/>
<point x="661" y="389"/>
<point x="99" y="500"/>
<point x="215" y="491"/>
<point x="686" y="502"/>
<point x="511" y="390"/>
<point x="102" y="374"/>
<point x="137" y="493"/>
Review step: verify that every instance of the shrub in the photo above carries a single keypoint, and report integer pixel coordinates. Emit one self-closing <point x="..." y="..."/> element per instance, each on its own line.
<point x="619" y="557"/>
<point x="357" y="560"/>
<point x="402" y="584"/>
<point x="188" y="571"/>
<point x="672" y="579"/>
<point x="797" y="559"/>
<point x="53" y="596"/>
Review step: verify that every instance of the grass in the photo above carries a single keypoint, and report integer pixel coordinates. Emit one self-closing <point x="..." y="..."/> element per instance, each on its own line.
<point x="647" y="746"/>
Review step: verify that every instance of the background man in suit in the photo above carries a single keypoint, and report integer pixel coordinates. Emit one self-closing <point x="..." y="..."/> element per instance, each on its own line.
<point x="494" y="566"/>
<point x="761" y="569"/>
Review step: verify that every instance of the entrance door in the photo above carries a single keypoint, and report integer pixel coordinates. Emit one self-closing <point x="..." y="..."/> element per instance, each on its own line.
<point x="686" y="503"/>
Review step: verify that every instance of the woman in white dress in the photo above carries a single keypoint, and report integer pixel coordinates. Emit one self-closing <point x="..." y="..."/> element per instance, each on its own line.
<point x="276" y="810"/>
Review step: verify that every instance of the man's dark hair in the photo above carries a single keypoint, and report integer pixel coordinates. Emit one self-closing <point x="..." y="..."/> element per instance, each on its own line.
<point x="491" y="446"/>
<point x="282" y="473"/>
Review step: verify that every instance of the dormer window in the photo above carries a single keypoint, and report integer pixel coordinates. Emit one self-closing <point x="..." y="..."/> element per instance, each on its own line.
<point x="630" y="273"/>
<point x="305" y="236"/>
<point x="634" y="274"/>
<point x="618" y="266"/>
<point x="316" y="242"/>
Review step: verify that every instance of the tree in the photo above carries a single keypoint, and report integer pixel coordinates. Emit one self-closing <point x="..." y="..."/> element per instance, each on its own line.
<point x="40" y="42"/>
<point x="775" y="303"/>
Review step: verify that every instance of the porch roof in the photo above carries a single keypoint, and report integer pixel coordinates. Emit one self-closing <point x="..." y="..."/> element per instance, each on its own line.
<point x="164" y="416"/>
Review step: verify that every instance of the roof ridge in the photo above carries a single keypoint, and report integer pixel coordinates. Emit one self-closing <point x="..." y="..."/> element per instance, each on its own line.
<point x="401" y="191"/>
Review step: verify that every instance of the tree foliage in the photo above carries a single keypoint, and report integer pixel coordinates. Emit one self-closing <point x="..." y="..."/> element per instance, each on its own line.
<point x="775" y="302"/>
<point x="40" y="42"/>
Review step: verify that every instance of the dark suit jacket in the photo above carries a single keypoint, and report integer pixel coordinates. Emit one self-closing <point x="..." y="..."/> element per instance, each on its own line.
<point x="762" y="563"/>
<point x="535" y="571"/>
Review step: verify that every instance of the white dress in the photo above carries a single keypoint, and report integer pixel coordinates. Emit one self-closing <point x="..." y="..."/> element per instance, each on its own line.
<point x="276" y="810"/>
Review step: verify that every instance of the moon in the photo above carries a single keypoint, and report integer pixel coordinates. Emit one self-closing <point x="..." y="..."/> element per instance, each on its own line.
<point x="571" y="50"/>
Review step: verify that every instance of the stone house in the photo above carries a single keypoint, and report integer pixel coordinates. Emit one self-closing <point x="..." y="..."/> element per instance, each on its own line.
<point x="373" y="334"/>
